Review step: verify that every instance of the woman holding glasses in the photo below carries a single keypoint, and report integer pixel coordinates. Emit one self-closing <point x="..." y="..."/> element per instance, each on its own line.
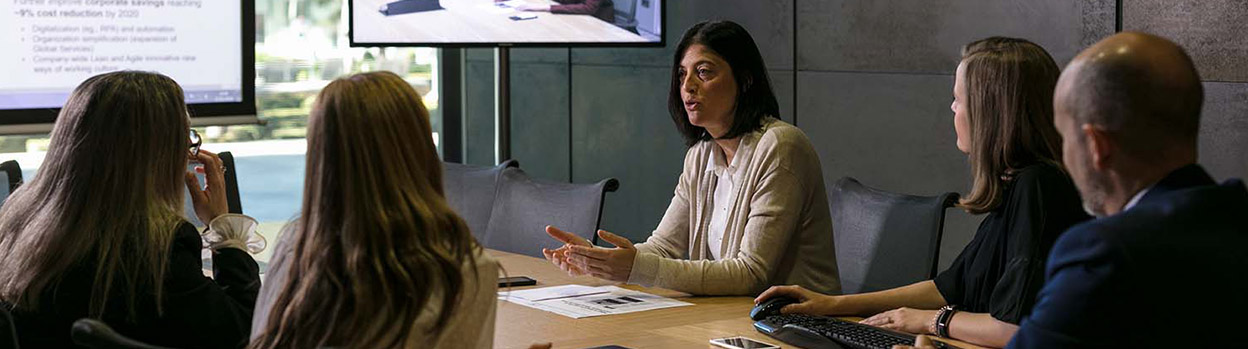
<point x="99" y="231"/>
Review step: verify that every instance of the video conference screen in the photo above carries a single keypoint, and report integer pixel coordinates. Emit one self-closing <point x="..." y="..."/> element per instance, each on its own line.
<point x="51" y="46"/>
<point x="512" y="22"/>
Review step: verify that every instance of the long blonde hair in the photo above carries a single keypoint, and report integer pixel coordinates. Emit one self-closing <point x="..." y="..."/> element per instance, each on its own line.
<point x="1009" y="89"/>
<point x="376" y="242"/>
<point x="108" y="196"/>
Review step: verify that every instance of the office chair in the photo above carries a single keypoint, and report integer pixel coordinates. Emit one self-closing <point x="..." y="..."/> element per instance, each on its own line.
<point x="523" y="207"/>
<point x="885" y="240"/>
<point x="231" y="182"/>
<point x="93" y="333"/>
<point x="470" y="192"/>
<point x="10" y="174"/>
<point x="8" y="329"/>
<point x="626" y="15"/>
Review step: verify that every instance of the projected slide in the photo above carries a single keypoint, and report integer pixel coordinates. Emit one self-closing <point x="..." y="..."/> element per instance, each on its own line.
<point x="50" y="46"/>
<point x="487" y="22"/>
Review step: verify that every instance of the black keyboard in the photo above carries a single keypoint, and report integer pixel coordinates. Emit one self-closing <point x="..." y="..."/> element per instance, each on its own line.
<point x="809" y="331"/>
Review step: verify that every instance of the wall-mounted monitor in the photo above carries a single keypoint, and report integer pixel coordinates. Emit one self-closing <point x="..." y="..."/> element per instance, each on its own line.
<point x="542" y="23"/>
<point x="51" y="46"/>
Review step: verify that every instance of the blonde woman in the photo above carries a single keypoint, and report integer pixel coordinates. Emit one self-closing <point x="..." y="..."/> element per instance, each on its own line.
<point x="377" y="258"/>
<point x="99" y="232"/>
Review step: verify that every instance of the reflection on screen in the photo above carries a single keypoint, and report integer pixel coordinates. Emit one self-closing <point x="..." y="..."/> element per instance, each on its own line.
<point x="432" y="22"/>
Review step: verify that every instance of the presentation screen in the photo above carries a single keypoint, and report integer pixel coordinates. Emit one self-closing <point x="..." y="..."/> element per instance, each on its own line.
<point x="51" y="46"/>
<point x="506" y="23"/>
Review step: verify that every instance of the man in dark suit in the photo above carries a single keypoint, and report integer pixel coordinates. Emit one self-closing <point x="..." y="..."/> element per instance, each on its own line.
<point x="1163" y="266"/>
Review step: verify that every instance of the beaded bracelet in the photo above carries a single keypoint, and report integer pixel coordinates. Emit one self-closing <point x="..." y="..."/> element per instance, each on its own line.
<point x="931" y="326"/>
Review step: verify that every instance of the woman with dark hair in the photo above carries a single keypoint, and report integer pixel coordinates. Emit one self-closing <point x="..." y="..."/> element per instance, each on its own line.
<point x="749" y="209"/>
<point x="99" y="232"/>
<point x="377" y="259"/>
<point x="1003" y="117"/>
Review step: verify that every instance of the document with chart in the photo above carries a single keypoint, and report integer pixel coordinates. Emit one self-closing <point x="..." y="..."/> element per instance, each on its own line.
<point x="582" y="301"/>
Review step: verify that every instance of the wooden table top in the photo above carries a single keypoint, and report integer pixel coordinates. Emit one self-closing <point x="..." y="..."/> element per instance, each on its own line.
<point x="468" y="21"/>
<point x="694" y="326"/>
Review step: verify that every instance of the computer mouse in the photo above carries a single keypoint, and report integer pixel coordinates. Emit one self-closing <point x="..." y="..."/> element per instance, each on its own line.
<point x="770" y="307"/>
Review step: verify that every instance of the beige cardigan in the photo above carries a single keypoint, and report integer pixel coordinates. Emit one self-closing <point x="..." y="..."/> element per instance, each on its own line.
<point x="779" y="230"/>
<point x="472" y="326"/>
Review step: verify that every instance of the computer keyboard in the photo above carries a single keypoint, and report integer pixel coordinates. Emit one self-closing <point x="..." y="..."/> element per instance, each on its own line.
<point x="809" y="331"/>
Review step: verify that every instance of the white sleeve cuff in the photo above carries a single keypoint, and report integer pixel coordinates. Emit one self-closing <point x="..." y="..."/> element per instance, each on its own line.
<point x="236" y="231"/>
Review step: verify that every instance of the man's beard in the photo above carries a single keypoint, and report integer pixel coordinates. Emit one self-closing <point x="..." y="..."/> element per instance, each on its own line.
<point x="1092" y="191"/>
<point x="1093" y="196"/>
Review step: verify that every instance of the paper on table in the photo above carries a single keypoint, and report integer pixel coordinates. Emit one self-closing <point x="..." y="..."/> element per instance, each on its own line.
<point x="501" y="7"/>
<point x="553" y="292"/>
<point x="615" y="301"/>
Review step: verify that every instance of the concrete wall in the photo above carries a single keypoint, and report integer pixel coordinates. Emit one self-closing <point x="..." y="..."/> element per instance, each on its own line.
<point x="869" y="81"/>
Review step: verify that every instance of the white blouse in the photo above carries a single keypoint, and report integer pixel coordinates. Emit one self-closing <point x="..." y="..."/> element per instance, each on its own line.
<point x="724" y="196"/>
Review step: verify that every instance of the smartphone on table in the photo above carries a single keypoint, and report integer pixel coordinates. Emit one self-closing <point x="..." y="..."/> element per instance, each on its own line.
<point x="516" y="281"/>
<point x="741" y="343"/>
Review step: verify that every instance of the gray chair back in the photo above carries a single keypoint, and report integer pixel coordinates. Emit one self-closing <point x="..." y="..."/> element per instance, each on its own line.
<point x="885" y="240"/>
<point x="524" y="207"/>
<point x="626" y="14"/>
<point x="470" y="191"/>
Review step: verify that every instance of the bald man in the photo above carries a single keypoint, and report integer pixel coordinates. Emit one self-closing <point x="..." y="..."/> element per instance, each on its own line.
<point x="1166" y="262"/>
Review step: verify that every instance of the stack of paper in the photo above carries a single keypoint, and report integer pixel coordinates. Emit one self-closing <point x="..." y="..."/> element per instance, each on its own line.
<point x="576" y="301"/>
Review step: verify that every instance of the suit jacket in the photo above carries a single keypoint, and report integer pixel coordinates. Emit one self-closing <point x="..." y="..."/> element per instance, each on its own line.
<point x="603" y="9"/>
<point x="198" y="312"/>
<point x="1168" y="272"/>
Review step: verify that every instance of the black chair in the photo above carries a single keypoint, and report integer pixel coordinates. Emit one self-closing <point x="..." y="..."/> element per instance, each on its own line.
<point x="93" y="333"/>
<point x="10" y="174"/>
<point x="8" y="329"/>
<point x="885" y="240"/>
<point x="470" y="192"/>
<point x="231" y="182"/>
<point x="523" y="207"/>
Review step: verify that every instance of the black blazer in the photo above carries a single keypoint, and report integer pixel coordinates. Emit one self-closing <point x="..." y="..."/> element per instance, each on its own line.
<point x="199" y="312"/>
<point x="1169" y="272"/>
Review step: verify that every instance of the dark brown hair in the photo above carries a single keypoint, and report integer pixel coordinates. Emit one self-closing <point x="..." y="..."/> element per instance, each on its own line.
<point x="1009" y="90"/>
<point x="109" y="195"/>
<point x="376" y="243"/>
<point x="755" y="99"/>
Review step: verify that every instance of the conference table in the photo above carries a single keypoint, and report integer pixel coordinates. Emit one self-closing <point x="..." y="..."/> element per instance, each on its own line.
<point x="518" y="326"/>
<point x="478" y="21"/>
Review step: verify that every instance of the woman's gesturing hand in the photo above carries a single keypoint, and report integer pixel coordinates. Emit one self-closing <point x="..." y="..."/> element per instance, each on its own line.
<point x="559" y="256"/>
<point x="615" y="264"/>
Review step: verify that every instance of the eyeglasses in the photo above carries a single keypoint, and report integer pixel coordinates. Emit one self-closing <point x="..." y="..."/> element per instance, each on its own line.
<point x="196" y="141"/>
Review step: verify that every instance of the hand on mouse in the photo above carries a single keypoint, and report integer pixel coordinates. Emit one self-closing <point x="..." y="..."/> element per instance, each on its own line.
<point x="808" y="302"/>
